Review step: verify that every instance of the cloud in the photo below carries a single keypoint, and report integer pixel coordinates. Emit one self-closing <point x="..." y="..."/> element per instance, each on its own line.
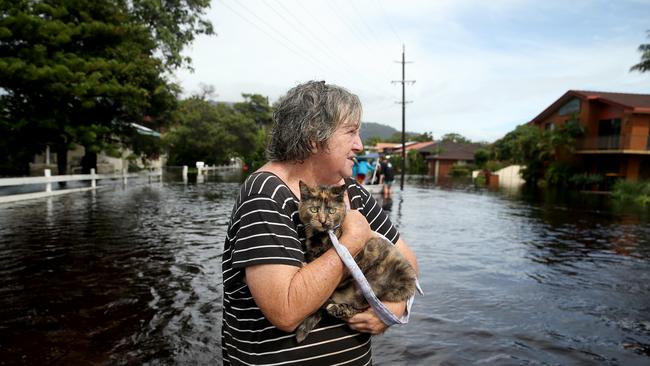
<point x="480" y="68"/>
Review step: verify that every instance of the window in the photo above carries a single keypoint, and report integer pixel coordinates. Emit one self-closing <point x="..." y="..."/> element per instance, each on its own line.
<point x="609" y="133"/>
<point x="572" y="106"/>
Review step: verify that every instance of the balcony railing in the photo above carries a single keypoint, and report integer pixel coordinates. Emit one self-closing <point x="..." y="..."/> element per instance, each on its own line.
<point x="614" y="142"/>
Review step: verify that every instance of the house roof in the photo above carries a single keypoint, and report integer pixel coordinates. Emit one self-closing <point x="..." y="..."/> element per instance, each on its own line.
<point x="414" y="146"/>
<point x="386" y="145"/>
<point x="448" y="150"/>
<point x="636" y="103"/>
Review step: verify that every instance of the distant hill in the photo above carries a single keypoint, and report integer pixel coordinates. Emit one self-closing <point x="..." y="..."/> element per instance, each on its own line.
<point x="373" y="129"/>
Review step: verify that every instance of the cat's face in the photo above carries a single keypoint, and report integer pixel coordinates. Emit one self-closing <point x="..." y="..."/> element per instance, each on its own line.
<point x="321" y="208"/>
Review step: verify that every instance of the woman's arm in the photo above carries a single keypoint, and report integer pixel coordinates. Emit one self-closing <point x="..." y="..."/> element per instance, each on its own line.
<point x="286" y="295"/>
<point x="368" y="321"/>
<point x="408" y="253"/>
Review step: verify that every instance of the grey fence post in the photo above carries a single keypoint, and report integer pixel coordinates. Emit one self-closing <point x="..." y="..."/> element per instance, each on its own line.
<point x="124" y="177"/>
<point x="93" y="178"/>
<point x="185" y="173"/>
<point x="48" y="185"/>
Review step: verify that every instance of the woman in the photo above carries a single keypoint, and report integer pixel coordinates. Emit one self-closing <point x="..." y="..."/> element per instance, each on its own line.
<point x="268" y="288"/>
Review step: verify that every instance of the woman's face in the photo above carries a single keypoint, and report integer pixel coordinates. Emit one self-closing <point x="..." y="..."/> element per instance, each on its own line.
<point x="336" y="158"/>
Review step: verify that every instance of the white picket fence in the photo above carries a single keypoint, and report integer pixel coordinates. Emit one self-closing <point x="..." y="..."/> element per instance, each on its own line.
<point x="204" y="171"/>
<point x="48" y="179"/>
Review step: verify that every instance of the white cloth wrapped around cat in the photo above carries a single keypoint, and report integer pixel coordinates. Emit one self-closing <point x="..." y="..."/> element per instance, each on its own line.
<point x="380" y="309"/>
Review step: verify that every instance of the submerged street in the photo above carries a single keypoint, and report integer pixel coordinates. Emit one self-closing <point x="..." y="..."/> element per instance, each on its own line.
<point x="131" y="277"/>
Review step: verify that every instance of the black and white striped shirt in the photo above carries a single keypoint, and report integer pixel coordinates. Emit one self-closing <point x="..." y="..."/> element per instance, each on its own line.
<point x="265" y="229"/>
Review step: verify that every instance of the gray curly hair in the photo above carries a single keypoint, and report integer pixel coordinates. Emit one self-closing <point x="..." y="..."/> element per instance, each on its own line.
<point x="308" y="115"/>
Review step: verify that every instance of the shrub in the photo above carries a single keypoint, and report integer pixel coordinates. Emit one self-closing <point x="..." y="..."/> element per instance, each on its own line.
<point x="558" y="174"/>
<point x="415" y="163"/>
<point x="585" y="180"/>
<point x="460" y="170"/>
<point x="481" y="157"/>
<point x="627" y="191"/>
<point x="480" y="180"/>
<point x="494" y="165"/>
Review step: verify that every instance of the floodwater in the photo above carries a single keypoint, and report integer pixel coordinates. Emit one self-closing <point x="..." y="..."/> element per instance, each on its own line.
<point x="132" y="277"/>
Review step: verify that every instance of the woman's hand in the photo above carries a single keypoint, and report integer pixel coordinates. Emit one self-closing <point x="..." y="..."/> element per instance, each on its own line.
<point x="369" y="322"/>
<point x="356" y="231"/>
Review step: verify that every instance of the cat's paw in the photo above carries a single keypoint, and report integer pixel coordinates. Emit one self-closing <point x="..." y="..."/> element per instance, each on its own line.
<point x="306" y="326"/>
<point x="341" y="311"/>
<point x="301" y="333"/>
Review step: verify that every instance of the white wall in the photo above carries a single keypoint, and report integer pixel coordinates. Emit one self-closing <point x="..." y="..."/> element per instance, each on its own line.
<point x="509" y="176"/>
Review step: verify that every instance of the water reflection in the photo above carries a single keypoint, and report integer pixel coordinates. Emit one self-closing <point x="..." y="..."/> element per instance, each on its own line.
<point x="513" y="281"/>
<point x="133" y="277"/>
<point x="386" y="203"/>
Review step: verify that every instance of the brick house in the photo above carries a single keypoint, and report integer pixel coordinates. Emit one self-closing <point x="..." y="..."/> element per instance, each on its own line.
<point x="443" y="155"/>
<point x="617" y="131"/>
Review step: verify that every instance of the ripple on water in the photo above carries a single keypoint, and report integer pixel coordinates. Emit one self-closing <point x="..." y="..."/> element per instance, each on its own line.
<point x="132" y="277"/>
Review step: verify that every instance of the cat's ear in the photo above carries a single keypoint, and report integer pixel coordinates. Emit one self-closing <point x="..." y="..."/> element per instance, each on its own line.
<point x="304" y="190"/>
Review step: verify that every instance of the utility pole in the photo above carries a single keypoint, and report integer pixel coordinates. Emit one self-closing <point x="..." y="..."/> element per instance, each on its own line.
<point x="403" y="103"/>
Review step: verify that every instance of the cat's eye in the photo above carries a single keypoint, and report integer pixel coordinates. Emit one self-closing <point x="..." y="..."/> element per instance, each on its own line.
<point x="331" y="210"/>
<point x="313" y="209"/>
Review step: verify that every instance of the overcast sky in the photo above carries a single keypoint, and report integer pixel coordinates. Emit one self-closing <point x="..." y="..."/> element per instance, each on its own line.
<point x="481" y="67"/>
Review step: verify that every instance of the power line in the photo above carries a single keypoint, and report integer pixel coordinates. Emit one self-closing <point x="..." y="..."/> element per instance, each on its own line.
<point x="299" y="51"/>
<point x="302" y="26"/>
<point x="355" y="32"/>
<point x="370" y="31"/>
<point x="280" y="33"/>
<point x="326" y="29"/>
<point x="387" y="19"/>
<point x="262" y="30"/>
<point x="305" y="29"/>
<point x="272" y="33"/>
<point x="363" y="21"/>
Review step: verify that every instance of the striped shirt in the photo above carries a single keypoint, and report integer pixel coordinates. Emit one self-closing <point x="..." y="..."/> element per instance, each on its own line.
<point x="265" y="228"/>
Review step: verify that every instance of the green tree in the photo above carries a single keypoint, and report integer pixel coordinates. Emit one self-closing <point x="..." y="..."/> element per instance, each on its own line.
<point x="423" y="137"/>
<point x="409" y="136"/>
<point x="415" y="163"/>
<point x="455" y="138"/>
<point x="481" y="157"/>
<point x="257" y="107"/>
<point x="81" y="71"/>
<point x="214" y="133"/>
<point x="644" y="65"/>
<point x="536" y="149"/>
<point x="197" y="134"/>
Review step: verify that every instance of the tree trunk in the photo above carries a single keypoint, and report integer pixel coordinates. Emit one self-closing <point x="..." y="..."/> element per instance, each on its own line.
<point x="88" y="161"/>
<point x="62" y="161"/>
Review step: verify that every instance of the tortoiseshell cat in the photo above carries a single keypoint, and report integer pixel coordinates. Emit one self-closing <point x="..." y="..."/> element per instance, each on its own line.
<point x="390" y="275"/>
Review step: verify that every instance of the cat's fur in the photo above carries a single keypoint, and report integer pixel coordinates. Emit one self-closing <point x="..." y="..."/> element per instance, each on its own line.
<point x="390" y="275"/>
